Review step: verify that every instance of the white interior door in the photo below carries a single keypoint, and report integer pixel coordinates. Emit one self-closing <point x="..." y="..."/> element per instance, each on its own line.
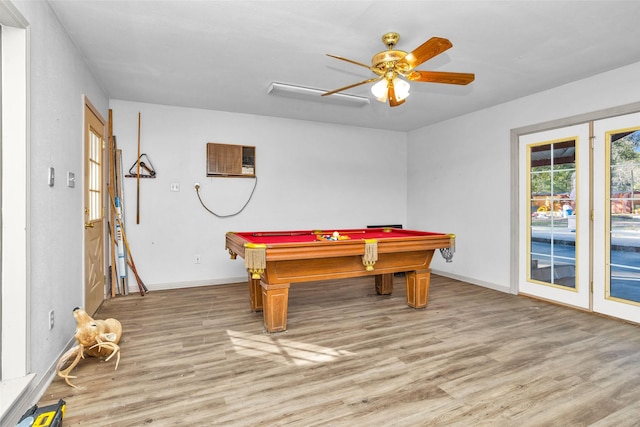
<point x="554" y="215"/>
<point x="616" y="184"/>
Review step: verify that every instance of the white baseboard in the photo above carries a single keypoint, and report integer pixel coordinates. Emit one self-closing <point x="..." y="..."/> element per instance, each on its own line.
<point x="482" y="283"/>
<point x="192" y="284"/>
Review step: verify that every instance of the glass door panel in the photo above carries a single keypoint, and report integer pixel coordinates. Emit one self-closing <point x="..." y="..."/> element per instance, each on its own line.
<point x="624" y="215"/>
<point x="554" y="227"/>
<point x="552" y="169"/>
<point x="617" y="215"/>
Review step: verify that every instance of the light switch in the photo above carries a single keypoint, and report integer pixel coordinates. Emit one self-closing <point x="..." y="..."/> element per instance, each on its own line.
<point x="52" y="176"/>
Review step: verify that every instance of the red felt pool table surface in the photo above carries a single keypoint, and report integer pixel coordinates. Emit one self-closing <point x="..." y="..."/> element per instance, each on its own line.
<point x="283" y="237"/>
<point x="275" y="259"/>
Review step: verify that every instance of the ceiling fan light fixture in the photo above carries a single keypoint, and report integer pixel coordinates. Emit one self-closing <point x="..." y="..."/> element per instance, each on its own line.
<point x="380" y="90"/>
<point x="402" y="88"/>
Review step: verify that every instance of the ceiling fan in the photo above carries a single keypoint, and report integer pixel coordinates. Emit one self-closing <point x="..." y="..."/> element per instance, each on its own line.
<point x="391" y="64"/>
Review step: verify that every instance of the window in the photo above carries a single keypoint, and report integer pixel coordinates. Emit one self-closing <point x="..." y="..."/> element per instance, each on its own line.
<point x="624" y="215"/>
<point x="552" y="192"/>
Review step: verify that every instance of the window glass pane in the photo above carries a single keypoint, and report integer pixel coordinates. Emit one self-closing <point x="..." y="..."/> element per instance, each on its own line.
<point x="624" y="215"/>
<point x="553" y="200"/>
<point x="94" y="174"/>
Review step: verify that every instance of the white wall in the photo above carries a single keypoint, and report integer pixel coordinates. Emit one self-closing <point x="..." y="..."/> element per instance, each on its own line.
<point x="459" y="171"/>
<point x="59" y="80"/>
<point x="310" y="176"/>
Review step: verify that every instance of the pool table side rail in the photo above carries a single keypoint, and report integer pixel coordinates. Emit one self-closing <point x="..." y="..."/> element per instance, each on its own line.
<point x="309" y="250"/>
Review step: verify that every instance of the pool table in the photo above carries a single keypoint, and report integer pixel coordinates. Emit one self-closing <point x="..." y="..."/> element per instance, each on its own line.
<point x="275" y="259"/>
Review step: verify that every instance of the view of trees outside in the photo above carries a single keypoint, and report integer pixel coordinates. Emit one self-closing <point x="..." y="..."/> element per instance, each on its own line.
<point x="552" y="192"/>
<point x="625" y="216"/>
<point x="625" y="173"/>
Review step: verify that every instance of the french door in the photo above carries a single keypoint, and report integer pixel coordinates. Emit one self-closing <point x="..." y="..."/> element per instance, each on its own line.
<point x="554" y="220"/>
<point x="580" y="216"/>
<point x="616" y="255"/>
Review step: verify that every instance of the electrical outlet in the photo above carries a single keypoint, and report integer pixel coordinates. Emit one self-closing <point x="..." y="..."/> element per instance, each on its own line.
<point x="196" y="185"/>
<point x="71" y="179"/>
<point x="197" y="258"/>
<point x="50" y="319"/>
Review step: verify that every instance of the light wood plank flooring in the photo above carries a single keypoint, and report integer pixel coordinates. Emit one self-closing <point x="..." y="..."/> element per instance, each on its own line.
<point x="474" y="357"/>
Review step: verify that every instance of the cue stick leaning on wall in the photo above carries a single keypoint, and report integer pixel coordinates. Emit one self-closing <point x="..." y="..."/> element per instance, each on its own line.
<point x="112" y="172"/>
<point x="138" y="176"/>
<point x="141" y="285"/>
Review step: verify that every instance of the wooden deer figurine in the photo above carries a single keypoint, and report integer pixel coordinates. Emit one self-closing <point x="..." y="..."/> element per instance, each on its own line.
<point x="97" y="338"/>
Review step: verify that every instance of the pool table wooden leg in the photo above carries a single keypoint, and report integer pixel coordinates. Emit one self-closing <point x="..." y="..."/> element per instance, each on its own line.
<point x="418" y="288"/>
<point x="384" y="284"/>
<point x="255" y="294"/>
<point x="275" y="299"/>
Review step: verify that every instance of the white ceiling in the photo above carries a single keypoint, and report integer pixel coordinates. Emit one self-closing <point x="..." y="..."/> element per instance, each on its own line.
<point x="222" y="55"/>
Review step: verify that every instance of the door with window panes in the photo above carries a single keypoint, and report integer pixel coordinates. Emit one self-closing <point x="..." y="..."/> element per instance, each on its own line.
<point x="94" y="225"/>
<point x="554" y="221"/>
<point x="616" y="183"/>
<point x="580" y="216"/>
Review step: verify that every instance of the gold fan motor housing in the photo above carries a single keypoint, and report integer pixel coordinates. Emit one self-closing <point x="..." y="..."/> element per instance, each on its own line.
<point x="386" y="60"/>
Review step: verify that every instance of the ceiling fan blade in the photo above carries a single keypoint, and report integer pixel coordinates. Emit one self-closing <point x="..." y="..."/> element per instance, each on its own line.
<point x="432" y="47"/>
<point x="393" y="100"/>
<point x="441" y="77"/>
<point x="353" y="85"/>
<point x="350" y="60"/>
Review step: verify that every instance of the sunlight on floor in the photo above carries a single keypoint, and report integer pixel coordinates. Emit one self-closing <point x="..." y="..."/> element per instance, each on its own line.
<point x="281" y="350"/>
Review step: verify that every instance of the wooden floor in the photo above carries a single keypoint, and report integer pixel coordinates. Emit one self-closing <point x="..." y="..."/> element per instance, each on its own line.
<point x="474" y="357"/>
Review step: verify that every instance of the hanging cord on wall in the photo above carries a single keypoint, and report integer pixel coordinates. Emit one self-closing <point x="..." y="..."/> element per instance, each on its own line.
<point x="229" y="215"/>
